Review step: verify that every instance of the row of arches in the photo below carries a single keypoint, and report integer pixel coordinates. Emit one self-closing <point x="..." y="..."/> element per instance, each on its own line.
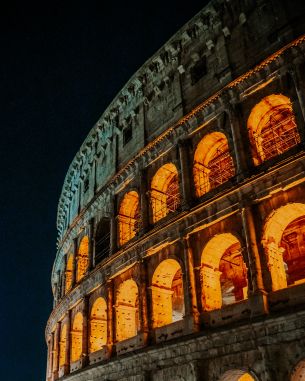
<point x="272" y="130"/>
<point x="223" y="270"/>
<point x="223" y="281"/>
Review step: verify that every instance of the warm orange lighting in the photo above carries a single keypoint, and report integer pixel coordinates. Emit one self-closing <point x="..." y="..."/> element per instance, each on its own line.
<point x="77" y="337"/>
<point x="167" y="293"/>
<point x="63" y="345"/>
<point x="223" y="272"/>
<point x="128" y="217"/>
<point x="82" y="258"/>
<point x="98" y="325"/>
<point x="165" y="195"/>
<point x="236" y="375"/>
<point x="272" y="127"/>
<point x="284" y="243"/>
<point x="127" y="310"/>
<point x="298" y="373"/>
<point x="69" y="273"/>
<point x="213" y="164"/>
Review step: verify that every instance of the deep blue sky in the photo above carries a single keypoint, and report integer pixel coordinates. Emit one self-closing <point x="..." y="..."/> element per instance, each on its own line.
<point x="61" y="65"/>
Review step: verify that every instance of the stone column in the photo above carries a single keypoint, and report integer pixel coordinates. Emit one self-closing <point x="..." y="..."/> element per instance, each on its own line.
<point x="191" y="308"/>
<point x="68" y="343"/>
<point x="110" y="320"/>
<point x="239" y="149"/>
<point x="113" y="229"/>
<point x="144" y="205"/>
<point x="50" y="357"/>
<point x="143" y="310"/>
<point x="296" y="74"/>
<point x="259" y="305"/>
<point x="91" y="245"/>
<point x="75" y="255"/>
<point x="85" y="335"/>
<point x="186" y="175"/>
<point x="55" y="364"/>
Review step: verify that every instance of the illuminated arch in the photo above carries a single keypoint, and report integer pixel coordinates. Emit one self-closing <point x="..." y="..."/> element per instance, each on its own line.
<point x="77" y="337"/>
<point x="272" y="127"/>
<point x="237" y="375"/>
<point x="298" y="373"/>
<point x="82" y="258"/>
<point x="98" y="325"/>
<point x="69" y="273"/>
<point x="165" y="195"/>
<point x="63" y="345"/>
<point x="223" y="272"/>
<point x="127" y="310"/>
<point x="284" y="245"/>
<point x="213" y="164"/>
<point x="167" y="293"/>
<point x="128" y="218"/>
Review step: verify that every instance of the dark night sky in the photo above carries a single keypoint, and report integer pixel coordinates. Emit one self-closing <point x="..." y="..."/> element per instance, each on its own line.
<point x="61" y="65"/>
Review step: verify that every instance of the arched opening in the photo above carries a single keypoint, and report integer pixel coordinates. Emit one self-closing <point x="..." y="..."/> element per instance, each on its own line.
<point x="98" y="325"/>
<point x="69" y="273"/>
<point x="298" y="373"/>
<point x="127" y="319"/>
<point x="223" y="272"/>
<point x="82" y="258"/>
<point x="213" y="164"/>
<point x="102" y="240"/>
<point x="63" y="345"/>
<point x="128" y="217"/>
<point x="272" y="128"/>
<point x="167" y="293"/>
<point x="284" y="243"/>
<point x="77" y="337"/>
<point x="165" y="194"/>
<point x="237" y="375"/>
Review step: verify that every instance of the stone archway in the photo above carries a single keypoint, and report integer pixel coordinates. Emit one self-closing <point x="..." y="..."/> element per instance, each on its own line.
<point x="128" y="217"/>
<point x="223" y="272"/>
<point x="278" y="239"/>
<point x="165" y="194"/>
<point x="213" y="164"/>
<point x="167" y="293"/>
<point x="272" y="127"/>
<point x="98" y="325"/>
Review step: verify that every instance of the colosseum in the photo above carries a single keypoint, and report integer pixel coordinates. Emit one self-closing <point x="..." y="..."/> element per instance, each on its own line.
<point x="181" y="222"/>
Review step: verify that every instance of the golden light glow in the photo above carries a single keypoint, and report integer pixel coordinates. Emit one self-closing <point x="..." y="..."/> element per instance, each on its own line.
<point x="77" y="337"/>
<point x="69" y="273"/>
<point x="284" y="245"/>
<point x="213" y="164"/>
<point x="236" y="375"/>
<point x="223" y="272"/>
<point x="165" y="195"/>
<point x="82" y="258"/>
<point x="98" y="325"/>
<point x="167" y="293"/>
<point x="299" y="372"/>
<point x="63" y="345"/>
<point x="272" y="127"/>
<point x="128" y="218"/>
<point x="127" y="310"/>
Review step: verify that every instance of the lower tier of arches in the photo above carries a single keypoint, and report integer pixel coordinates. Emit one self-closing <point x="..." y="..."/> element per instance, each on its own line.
<point x="271" y="349"/>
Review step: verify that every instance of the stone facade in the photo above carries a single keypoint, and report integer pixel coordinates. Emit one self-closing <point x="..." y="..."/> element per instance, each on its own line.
<point x="181" y="223"/>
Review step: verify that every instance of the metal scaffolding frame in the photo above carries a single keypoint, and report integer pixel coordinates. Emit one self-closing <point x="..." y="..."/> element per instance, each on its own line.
<point x="278" y="136"/>
<point x="219" y="170"/>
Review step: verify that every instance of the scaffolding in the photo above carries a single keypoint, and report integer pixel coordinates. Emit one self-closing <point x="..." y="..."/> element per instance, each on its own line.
<point x="278" y="135"/>
<point x="219" y="170"/>
<point x="129" y="226"/>
<point x="167" y="201"/>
